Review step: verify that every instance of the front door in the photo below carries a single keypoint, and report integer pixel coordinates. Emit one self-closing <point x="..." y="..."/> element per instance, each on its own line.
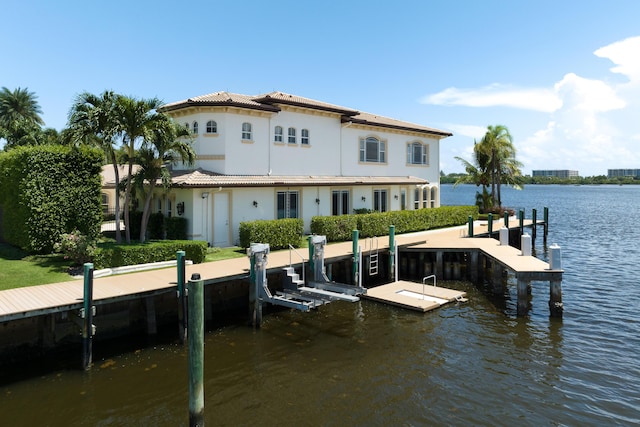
<point x="221" y="227"/>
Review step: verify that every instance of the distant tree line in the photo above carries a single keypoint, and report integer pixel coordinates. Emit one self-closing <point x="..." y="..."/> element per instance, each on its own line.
<point x="452" y="178"/>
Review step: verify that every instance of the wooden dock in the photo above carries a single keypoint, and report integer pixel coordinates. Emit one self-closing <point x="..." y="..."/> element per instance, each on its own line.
<point x="59" y="297"/>
<point x="414" y="296"/>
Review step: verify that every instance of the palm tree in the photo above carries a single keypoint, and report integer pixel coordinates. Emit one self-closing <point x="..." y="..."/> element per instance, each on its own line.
<point x="19" y="116"/>
<point x="136" y="119"/>
<point x="478" y="173"/>
<point x="497" y="144"/>
<point x="166" y="146"/>
<point x="92" y="121"/>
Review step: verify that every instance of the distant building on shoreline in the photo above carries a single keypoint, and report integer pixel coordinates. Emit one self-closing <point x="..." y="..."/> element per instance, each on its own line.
<point x="555" y="173"/>
<point x="616" y="173"/>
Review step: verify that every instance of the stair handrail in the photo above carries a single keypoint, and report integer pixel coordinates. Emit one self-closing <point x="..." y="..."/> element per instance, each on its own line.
<point x="424" y="279"/>
<point x="291" y="248"/>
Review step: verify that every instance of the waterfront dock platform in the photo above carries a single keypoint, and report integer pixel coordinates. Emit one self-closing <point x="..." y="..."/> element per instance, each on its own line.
<point x="40" y="300"/>
<point x="414" y="296"/>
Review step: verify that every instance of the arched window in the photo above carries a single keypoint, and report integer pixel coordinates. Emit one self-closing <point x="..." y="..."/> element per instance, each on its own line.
<point x="277" y="134"/>
<point x="195" y="128"/>
<point x="212" y="126"/>
<point x="304" y="137"/>
<point x="292" y="135"/>
<point x="372" y="150"/>
<point x="246" y="130"/>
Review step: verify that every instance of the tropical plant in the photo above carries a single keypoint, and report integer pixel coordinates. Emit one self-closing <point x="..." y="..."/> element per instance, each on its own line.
<point x="167" y="145"/>
<point x="136" y="118"/>
<point x="77" y="247"/>
<point x="478" y="173"/>
<point x="20" y="118"/>
<point x="92" y="121"/>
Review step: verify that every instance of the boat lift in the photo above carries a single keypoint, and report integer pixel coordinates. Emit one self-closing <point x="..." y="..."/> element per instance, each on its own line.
<point x="295" y="294"/>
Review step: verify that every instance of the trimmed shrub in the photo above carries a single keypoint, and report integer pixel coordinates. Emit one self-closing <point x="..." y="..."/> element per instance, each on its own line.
<point x="117" y="255"/>
<point x="278" y="233"/>
<point x="339" y="228"/>
<point x="155" y="228"/>
<point x="47" y="191"/>
<point x="176" y="228"/>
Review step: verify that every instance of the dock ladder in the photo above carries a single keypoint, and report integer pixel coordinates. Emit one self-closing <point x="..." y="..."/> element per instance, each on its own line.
<point x="373" y="257"/>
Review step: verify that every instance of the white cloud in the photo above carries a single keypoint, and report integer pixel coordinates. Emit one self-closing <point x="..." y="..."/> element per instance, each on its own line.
<point x="592" y="124"/>
<point x="471" y="131"/>
<point x="625" y="54"/>
<point x="497" y="95"/>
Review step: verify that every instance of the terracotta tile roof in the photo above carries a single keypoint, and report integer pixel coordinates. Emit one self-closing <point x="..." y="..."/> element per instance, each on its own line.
<point x="288" y="99"/>
<point x="220" y="99"/>
<point x="374" y="120"/>
<point x="204" y="179"/>
<point x="270" y="101"/>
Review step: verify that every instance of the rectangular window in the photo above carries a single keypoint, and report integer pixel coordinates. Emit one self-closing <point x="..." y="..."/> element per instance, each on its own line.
<point x="304" y="137"/>
<point x="340" y="202"/>
<point x="278" y="134"/>
<point x="287" y="204"/>
<point x="380" y="200"/>
<point x="292" y="135"/>
<point x="403" y="199"/>
<point x="417" y="154"/>
<point x="246" y="131"/>
<point x="416" y="198"/>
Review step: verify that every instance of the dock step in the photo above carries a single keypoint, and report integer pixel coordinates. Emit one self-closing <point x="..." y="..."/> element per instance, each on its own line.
<point x="332" y="296"/>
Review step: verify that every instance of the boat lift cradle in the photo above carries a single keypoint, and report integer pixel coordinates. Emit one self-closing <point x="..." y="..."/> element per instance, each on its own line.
<point x="296" y="294"/>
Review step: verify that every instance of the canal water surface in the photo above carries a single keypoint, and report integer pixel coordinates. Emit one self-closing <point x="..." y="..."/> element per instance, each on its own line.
<point x="368" y="364"/>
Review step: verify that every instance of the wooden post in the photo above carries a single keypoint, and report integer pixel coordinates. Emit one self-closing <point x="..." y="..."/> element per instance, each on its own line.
<point x="490" y="224"/>
<point x="355" y="269"/>
<point x="439" y="267"/>
<point x="182" y="297"/>
<point x="523" y="297"/>
<point x="196" y="351"/>
<point x="546" y="225"/>
<point x="555" y="298"/>
<point x="472" y="268"/>
<point x="534" y="228"/>
<point x="470" y="226"/>
<point x="392" y="252"/>
<point x="506" y="219"/>
<point x="87" y="317"/>
<point x="521" y="221"/>
<point x="496" y="270"/>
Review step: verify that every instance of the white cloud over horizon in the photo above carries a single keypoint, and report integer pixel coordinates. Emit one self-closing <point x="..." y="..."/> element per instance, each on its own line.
<point x="591" y="124"/>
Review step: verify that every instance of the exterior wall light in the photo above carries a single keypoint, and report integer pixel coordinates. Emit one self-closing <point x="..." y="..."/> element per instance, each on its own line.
<point x="317" y="201"/>
<point x="364" y="199"/>
<point x="255" y="204"/>
<point x="180" y="208"/>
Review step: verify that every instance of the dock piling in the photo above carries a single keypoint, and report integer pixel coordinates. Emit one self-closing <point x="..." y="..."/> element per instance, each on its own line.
<point x="196" y="350"/>
<point x="392" y="252"/>
<point x="546" y="225"/>
<point x="355" y="269"/>
<point x="182" y="297"/>
<point x="534" y="225"/>
<point x="490" y="224"/>
<point x="87" y="317"/>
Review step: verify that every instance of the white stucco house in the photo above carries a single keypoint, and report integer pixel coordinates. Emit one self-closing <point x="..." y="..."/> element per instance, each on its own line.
<point x="284" y="156"/>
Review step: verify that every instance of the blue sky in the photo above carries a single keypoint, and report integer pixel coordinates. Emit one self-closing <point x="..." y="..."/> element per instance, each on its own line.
<point x="563" y="76"/>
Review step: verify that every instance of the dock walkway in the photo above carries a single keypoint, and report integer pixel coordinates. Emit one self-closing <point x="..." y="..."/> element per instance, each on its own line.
<point x="33" y="301"/>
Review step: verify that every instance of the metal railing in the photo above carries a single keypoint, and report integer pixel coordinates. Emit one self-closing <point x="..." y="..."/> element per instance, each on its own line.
<point x="424" y="279"/>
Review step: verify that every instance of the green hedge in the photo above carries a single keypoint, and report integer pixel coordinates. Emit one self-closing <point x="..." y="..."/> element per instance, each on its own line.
<point x="340" y="228"/>
<point x="176" y="228"/>
<point x="47" y="191"/>
<point x="278" y="233"/>
<point x="115" y="255"/>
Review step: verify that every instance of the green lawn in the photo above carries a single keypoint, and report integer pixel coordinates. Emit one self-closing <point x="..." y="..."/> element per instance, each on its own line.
<point x="18" y="269"/>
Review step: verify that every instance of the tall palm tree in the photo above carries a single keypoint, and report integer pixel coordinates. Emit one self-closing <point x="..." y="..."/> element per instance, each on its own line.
<point x="19" y="116"/>
<point x="92" y="121"/>
<point x="136" y="119"/>
<point x="497" y="144"/>
<point x="478" y="173"/>
<point x="166" y="146"/>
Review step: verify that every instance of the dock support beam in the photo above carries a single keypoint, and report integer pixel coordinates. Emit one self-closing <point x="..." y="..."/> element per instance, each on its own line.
<point x="497" y="272"/>
<point x="555" y="298"/>
<point x="523" y="296"/>
<point x="439" y="264"/>
<point x="196" y="351"/>
<point x="149" y="303"/>
<point x="472" y="268"/>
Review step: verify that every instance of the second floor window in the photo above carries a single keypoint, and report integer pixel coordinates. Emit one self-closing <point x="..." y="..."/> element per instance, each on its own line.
<point x="277" y="134"/>
<point x="417" y="154"/>
<point x="212" y="126"/>
<point x="292" y="135"/>
<point x="372" y="150"/>
<point x="246" y="131"/>
<point x="195" y="128"/>
<point x="304" y="137"/>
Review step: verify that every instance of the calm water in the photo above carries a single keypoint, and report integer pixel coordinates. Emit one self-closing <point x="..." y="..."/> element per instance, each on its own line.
<point x="370" y="364"/>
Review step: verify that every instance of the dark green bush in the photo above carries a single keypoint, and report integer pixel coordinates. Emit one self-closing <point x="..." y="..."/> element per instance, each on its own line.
<point x="278" y="233"/>
<point x="47" y="191"/>
<point x="335" y="228"/>
<point x="155" y="228"/>
<point x="176" y="228"/>
<point x="117" y="255"/>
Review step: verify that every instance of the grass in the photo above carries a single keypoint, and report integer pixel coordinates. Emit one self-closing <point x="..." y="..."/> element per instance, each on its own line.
<point x="18" y="269"/>
<point x="219" y="254"/>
